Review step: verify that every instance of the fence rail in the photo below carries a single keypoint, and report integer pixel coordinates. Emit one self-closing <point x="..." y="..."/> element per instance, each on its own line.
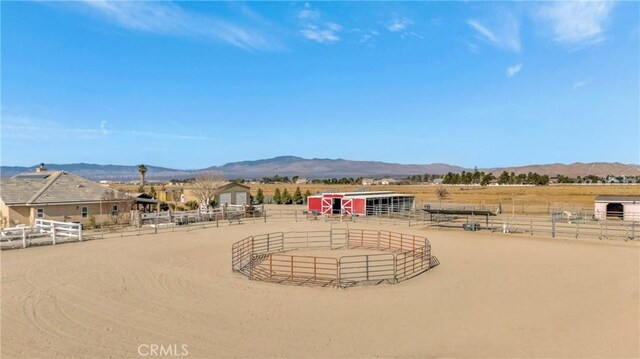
<point x="42" y="233"/>
<point x="262" y="257"/>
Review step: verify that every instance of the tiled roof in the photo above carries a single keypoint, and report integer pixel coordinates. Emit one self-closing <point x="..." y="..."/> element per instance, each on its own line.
<point x="53" y="187"/>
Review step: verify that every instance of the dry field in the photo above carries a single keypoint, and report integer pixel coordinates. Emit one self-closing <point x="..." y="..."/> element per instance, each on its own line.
<point x="529" y="200"/>
<point x="491" y="296"/>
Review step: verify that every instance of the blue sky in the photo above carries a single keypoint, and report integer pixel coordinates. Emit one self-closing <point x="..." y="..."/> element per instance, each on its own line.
<point x="193" y="84"/>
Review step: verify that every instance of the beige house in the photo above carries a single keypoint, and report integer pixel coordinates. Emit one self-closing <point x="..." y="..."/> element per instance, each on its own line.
<point x="59" y="196"/>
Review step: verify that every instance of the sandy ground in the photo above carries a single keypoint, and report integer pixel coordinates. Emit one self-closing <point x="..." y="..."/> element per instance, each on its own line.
<point x="492" y="296"/>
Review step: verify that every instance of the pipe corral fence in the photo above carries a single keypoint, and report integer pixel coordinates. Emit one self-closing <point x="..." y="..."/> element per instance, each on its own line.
<point x="264" y="257"/>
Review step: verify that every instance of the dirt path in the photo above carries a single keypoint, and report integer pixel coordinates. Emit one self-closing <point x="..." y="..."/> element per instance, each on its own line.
<point x="492" y="296"/>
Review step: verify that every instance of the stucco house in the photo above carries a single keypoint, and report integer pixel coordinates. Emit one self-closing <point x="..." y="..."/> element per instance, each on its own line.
<point x="59" y="196"/>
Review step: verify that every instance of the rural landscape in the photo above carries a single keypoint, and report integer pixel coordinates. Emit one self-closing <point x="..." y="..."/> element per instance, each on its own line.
<point x="320" y="179"/>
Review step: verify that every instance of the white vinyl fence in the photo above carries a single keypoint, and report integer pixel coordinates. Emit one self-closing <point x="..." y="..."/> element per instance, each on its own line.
<point x="43" y="232"/>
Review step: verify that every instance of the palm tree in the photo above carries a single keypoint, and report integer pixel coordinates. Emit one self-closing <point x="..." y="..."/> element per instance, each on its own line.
<point x="142" y="169"/>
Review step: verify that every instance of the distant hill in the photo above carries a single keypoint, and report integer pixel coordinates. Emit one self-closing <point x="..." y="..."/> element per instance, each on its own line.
<point x="324" y="168"/>
<point x="317" y="168"/>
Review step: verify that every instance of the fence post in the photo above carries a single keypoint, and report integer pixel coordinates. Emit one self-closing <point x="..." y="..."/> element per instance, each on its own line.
<point x="395" y="267"/>
<point x="24" y="237"/>
<point x="553" y="227"/>
<point x="53" y="233"/>
<point x="155" y="227"/>
<point x="600" y="230"/>
<point x="577" y="229"/>
<point x="367" y="266"/>
<point x="531" y="227"/>
<point x="80" y="232"/>
<point x="633" y="229"/>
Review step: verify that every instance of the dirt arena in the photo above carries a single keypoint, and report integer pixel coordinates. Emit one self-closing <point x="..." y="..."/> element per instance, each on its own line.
<point x="491" y="296"/>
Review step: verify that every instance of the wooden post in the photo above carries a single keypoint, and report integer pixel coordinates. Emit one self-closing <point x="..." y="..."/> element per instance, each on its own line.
<point x="24" y="237"/>
<point x="80" y="232"/>
<point x="53" y="233"/>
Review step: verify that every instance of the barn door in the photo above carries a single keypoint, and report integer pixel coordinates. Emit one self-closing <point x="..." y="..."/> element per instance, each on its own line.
<point x="325" y="208"/>
<point x="347" y="206"/>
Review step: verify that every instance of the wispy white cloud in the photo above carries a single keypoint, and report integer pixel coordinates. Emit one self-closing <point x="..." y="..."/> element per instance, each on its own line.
<point x="398" y="25"/>
<point x="307" y="13"/>
<point x="578" y="84"/>
<point x="28" y="128"/>
<point x="316" y="30"/>
<point x="474" y="48"/>
<point x="513" y="70"/>
<point x="503" y="34"/>
<point x="167" y="18"/>
<point x="483" y="31"/>
<point x="576" y="22"/>
<point x="321" y="35"/>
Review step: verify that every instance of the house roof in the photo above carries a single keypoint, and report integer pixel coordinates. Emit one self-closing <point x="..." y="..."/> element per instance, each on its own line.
<point x="617" y="198"/>
<point x="232" y="184"/>
<point x="53" y="187"/>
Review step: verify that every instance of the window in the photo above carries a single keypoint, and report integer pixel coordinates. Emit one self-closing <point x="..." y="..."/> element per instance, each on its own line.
<point x="40" y="213"/>
<point x="85" y="212"/>
<point x="114" y="211"/>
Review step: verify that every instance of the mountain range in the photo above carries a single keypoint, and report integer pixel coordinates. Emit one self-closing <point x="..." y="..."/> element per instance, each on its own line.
<point x="319" y="168"/>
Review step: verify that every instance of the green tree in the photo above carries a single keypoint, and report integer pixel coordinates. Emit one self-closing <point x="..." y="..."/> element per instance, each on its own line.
<point x="286" y="197"/>
<point x="486" y="179"/>
<point x="277" y="197"/>
<point x="503" y="178"/>
<point x="307" y="193"/>
<point x="152" y="192"/>
<point x="164" y="206"/>
<point x="192" y="205"/>
<point x="141" y="189"/>
<point x="260" y="196"/>
<point x="297" y="196"/>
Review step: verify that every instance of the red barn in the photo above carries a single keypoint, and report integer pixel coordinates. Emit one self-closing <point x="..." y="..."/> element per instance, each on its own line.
<point x="360" y="203"/>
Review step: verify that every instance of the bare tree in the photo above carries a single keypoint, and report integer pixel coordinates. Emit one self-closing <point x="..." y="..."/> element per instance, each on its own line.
<point x="442" y="193"/>
<point x="118" y="205"/>
<point x="205" y="186"/>
<point x="174" y="196"/>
